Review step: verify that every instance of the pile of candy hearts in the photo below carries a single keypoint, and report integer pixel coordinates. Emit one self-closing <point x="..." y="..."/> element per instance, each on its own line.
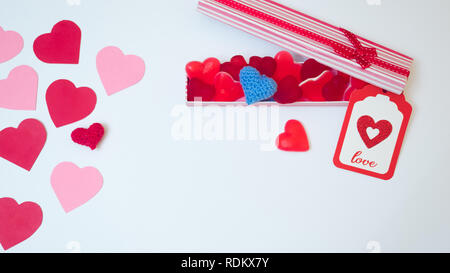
<point x="278" y="79"/>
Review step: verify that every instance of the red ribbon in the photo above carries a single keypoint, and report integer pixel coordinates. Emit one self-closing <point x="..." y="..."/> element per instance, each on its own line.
<point x="364" y="56"/>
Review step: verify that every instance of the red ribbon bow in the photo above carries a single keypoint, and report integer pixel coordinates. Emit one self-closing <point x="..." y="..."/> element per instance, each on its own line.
<point x="364" y="56"/>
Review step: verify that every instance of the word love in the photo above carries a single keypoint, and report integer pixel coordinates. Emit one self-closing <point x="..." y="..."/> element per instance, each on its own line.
<point x="358" y="160"/>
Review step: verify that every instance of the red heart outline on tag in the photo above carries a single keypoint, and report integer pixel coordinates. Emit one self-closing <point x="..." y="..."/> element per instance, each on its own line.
<point x="384" y="127"/>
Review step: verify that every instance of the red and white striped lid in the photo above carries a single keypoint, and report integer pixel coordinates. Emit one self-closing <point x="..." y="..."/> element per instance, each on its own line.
<point x="310" y="37"/>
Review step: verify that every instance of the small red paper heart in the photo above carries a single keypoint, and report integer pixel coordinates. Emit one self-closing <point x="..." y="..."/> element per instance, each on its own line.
<point x="334" y="89"/>
<point x="288" y="91"/>
<point x="67" y="104"/>
<point x="312" y="88"/>
<point x="266" y="66"/>
<point x="23" y="145"/>
<point x="286" y="67"/>
<point x="61" y="45"/>
<point x="89" y="137"/>
<point x="18" y="222"/>
<point x="226" y="88"/>
<point x="234" y="66"/>
<point x="384" y="127"/>
<point x="197" y="89"/>
<point x="312" y="69"/>
<point x="294" y="138"/>
<point x="205" y="71"/>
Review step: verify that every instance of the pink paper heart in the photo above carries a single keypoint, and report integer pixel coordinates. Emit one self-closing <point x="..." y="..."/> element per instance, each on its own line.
<point x="11" y="43"/>
<point x="75" y="186"/>
<point x="118" y="71"/>
<point x="19" y="90"/>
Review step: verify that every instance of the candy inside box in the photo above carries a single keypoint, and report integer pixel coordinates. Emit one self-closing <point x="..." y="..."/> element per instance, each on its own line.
<point x="322" y="64"/>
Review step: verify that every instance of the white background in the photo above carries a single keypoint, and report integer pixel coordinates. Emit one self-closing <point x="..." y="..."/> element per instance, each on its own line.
<point x="161" y="195"/>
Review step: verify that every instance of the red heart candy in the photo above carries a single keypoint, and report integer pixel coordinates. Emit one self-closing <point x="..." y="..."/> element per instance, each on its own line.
<point x="61" y="45"/>
<point x="334" y="89"/>
<point x="18" y="222"/>
<point x="89" y="137"/>
<point x="239" y="60"/>
<point x="23" y="145"/>
<point x="312" y="88"/>
<point x="234" y="66"/>
<point x="286" y="67"/>
<point x="265" y="66"/>
<point x="358" y="84"/>
<point x="67" y="104"/>
<point x="205" y="71"/>
<point x="226" y="88"/>
<point x="288" y="91"/>
<point x="294" y="138"/>
<point x="197" y="89"/>
<point x="311" y="69"/>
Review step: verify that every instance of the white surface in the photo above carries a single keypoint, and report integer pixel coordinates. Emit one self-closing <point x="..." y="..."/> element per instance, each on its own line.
<point x="229" y="196"/>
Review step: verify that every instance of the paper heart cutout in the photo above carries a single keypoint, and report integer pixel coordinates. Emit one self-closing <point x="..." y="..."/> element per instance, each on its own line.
<point x="266" y="66"/>
<point x="11" y="44"/>
<point x="118" y="71"/>
<point x="226" y="88"/>
<point x="23" y="145"/>
<point x="18" y="222"/>
<point x="67" y="104"/>
<point x="288" y="91"/>
<point x="75" y="186"/>
<point x="294" y="138"/>
<point x="256" y="87"/>
<point x="234" y="66"/>
<point x="384" y="127"/>
<point x="286" y="67"/>
<point x="19" y="90"/>
<point x="335" y="88"/>
<point x="89" y="137"/>
<point x="61" y="45"/>
<point x="312" y="69"/>
<point x="312" y="88"/>
<point x="205" y="71"/>
<point x="198" y="90"/>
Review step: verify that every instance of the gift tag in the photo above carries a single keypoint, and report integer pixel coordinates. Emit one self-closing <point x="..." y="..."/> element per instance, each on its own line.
<point x="373" y="131"/>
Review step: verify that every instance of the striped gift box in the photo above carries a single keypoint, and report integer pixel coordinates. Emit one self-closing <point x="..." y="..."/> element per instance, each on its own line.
<point x="312" y="38"/>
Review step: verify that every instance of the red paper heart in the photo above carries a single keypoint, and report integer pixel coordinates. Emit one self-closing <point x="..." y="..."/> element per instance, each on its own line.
<point x="18" y="222"/>
<point x="312" y="69"/>
<point x="67" y="104"/>
<point x="312" y="88"/>
<point x="89" y="137"/>
<point x="234" y="66"/>
<point x="265" y="66"/>
<point x="294" y="138"/>
<point x="61" y="45"/>
<point x="205" y="71"/>
<point x="286" y="67"/>
<point x="23" y="145"/>
<point x="384" y="127"/>
<point x="226" y="88"/>
<point x="197" y="89"/>
<point x="334" y="89"/>
<point x="288" y="91"/>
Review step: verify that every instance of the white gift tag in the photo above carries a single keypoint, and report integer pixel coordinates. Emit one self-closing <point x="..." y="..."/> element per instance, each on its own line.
<point x="373" y="132"/>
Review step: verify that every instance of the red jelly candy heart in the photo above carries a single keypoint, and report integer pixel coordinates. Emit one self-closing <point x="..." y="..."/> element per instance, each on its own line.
<point x="334" y="89"/>
<point x="265" y="66"/>
<point x="294" y="138"/>
<point x="358" y="84"/>
<point x="311" y="69"/>
<point x="234" y="66"/>
<point x="89" y="137"/>
<point x="288" y="91"/>
<point x="312" y="88"/>
<point x="205" y="71"/>
<point x="226" y="88"/>
<point x="200" y="90"/>
<point x="286" y="67"/>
